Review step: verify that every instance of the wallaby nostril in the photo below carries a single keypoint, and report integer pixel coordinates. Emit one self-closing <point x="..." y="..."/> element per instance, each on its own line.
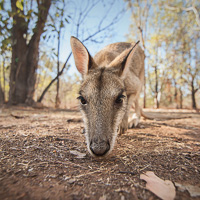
<point x="108" y="147"/>
<point x="99" y="149"/>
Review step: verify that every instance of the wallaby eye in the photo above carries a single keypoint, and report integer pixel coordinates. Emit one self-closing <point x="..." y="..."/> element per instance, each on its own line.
<point x="82" y="100"/>
<point x="119" y="99"/>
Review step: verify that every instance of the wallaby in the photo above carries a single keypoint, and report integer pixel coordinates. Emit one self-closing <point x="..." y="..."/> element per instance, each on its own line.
<point x="112" y="82"/>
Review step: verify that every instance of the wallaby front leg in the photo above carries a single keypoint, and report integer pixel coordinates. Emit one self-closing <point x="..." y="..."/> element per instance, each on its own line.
<point x="124" y="124"/>
<point x="135" y="119"/>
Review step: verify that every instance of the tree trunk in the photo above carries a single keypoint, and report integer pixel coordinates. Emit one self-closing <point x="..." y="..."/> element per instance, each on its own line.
<point x="144" y="100"/>
<point x="181" y="98"/>
<point x="2" y="94"/>
<point x="32" y="65"/>
<point x="193" y="95"/>
<point x="176" y="94"/>
<point x="17" y="93"/>
<point x="25" y="56"/>
<point x="2" y="98"/>
<point x="156" y="88"/>
<point x="4" y="78"/>
<point x="57" y="104"/>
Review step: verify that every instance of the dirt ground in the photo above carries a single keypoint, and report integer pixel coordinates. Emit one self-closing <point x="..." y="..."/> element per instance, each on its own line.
<point x="43" y="155"/>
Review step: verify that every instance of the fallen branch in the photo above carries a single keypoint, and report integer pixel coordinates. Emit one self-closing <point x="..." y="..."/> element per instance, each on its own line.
<point x="161" y="118"/>
<point x="17" y="116"/>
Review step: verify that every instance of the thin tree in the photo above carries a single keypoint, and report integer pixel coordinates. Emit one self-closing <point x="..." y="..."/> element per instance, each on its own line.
<point x="57" y="24"/>
<point x="140" y="13"/>
<point x="5" y="50"/>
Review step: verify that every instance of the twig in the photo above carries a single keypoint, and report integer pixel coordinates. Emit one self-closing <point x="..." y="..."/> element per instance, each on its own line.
<point x="68" y="162"/>
<point x="192" y="8"/>
<point x="81" y="175"/>
<point x="127" y="172"/>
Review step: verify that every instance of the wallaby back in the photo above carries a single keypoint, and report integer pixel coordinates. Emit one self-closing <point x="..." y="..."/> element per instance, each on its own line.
<point x="104" y="57"/>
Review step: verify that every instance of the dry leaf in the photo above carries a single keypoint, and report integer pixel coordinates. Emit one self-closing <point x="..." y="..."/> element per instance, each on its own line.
<point x="78" y="154"/>
<point x="193" y="190"/>
<point x="163" y="189"/>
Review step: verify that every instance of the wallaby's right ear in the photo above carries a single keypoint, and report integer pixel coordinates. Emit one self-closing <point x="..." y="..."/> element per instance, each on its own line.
<point x="82" y="58"/>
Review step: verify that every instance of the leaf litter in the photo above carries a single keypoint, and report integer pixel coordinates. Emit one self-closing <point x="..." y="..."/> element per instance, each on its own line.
<point x="162" y="188"/>
<point x="193" y="190"/>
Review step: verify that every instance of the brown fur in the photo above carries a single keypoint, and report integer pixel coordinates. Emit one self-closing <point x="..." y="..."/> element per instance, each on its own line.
<point x="112" y="82"/>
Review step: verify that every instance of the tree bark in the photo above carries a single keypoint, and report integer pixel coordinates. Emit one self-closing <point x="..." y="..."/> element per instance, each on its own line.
<point x="176" y="94"/>
<point x="2" y="91"/>
<point x="57" y="103"/>
<point x="1" y="95"/>
<point x="156" y="88"/>
<point x="25" y="56"/>
<point x="144" y="99"/>
<point x="17" y="91"/>
<point x="194" y="106"/>
<point x="181" y="98"/>
<point x="33" y="55"/>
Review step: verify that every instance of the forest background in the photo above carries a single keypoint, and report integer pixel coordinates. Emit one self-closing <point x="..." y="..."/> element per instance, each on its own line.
<point x="36" y="64"/>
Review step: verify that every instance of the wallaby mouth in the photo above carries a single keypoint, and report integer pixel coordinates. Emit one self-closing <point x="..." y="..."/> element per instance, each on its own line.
<point x="99" y="148"/>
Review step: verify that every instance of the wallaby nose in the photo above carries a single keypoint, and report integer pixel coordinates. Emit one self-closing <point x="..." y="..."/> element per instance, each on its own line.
<point x="99" y="148"/>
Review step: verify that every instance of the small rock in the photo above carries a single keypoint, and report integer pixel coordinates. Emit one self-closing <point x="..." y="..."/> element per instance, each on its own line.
<point x="71" y="181"/>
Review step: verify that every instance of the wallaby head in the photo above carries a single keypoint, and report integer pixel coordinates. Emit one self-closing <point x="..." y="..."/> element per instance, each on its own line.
<point x="103" y="96"/>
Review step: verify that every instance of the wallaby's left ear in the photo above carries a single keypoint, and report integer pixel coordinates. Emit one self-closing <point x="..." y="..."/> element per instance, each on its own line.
<point x="122" y="62"/>
<point x="83" y="59"/>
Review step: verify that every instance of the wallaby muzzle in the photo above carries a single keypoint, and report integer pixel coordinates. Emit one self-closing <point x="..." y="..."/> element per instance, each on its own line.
<point x="99" y="147"/>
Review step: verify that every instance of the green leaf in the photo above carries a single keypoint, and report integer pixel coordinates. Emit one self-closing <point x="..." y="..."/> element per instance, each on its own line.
<point x="19" y="4"/>
<point x="29" y="13"/>
<point x="66" y="20"/>
<point x="61" y="25"/>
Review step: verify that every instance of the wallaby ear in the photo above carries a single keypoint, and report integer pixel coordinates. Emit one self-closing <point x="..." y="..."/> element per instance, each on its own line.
<point x="82" y="58"/>
<point x="122" y="62"/>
